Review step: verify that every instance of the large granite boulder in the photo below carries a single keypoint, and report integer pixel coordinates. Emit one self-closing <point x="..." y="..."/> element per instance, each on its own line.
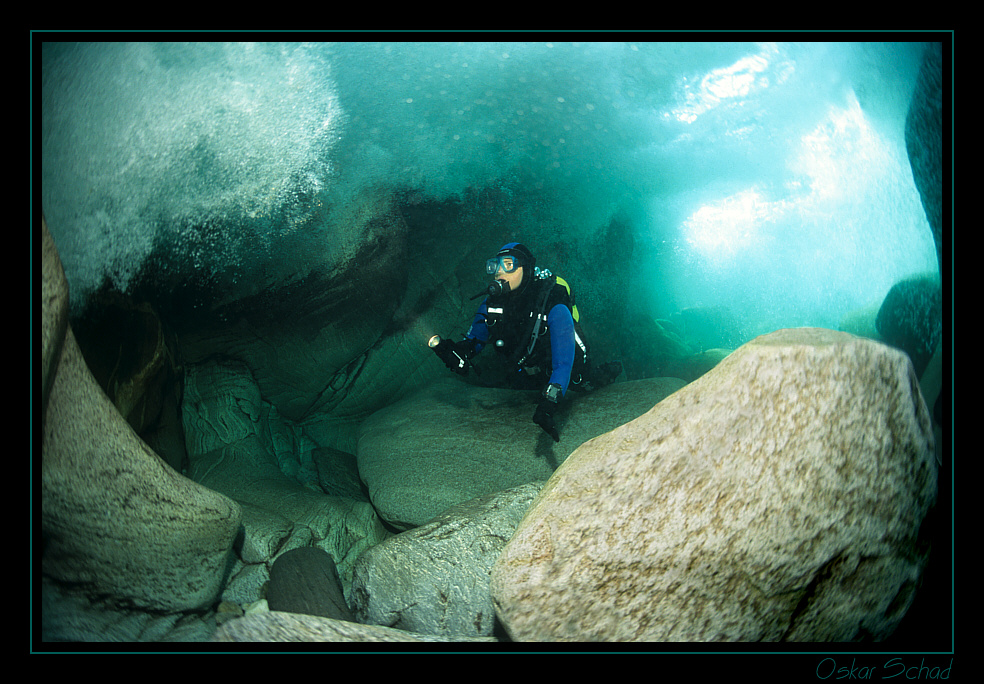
<point x="130" y="549"/>
<point x="238" y="444"/>
<point x="778" y="497"/>
<point x="434" y="579"/>
<point x="453" y="442"/>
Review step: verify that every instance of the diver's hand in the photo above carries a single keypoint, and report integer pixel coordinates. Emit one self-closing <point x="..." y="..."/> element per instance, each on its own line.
<point x="455" y="355"/>
<point x="544" y="417"/>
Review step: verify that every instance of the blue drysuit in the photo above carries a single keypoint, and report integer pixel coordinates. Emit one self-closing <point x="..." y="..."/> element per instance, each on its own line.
<point x="560" y="325"/>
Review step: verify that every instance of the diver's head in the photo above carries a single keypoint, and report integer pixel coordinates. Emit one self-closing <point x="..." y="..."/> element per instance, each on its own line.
<point x="511" y="263"/>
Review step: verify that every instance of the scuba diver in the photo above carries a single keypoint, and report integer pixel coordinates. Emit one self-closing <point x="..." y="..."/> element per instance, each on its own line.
<point x="529" y="316"/>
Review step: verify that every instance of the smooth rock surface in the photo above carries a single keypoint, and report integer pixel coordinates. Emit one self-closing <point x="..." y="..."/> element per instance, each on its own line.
<point x="232" y="437"/>
<point x="130" y="549"/>
<point x="434" y="579"/>
<point x="453" y="442"/>
<point x="305" y="581"/>
<point x="924" y="141"/>
<point x="778" y="497"/>
<point x="911" y="319"/>
<point x="54" y="312"/>
<point x="276" y="627"/>
<point x="338" y="473"/>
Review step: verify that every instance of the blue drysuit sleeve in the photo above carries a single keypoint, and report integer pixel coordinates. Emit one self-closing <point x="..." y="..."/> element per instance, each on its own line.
<point x="561" y="326"/>
<point x="479" y="330"/>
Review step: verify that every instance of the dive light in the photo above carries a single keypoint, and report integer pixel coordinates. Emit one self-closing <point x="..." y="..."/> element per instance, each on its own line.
<point x="450" y="356"/>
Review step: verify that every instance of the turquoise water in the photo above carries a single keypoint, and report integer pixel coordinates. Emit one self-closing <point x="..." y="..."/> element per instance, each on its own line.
<point x="769" y="178"/>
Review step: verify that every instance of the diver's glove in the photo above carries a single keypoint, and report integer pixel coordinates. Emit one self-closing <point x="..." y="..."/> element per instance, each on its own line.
<point x="545" y="409"/>
<point x="456" y="355"/>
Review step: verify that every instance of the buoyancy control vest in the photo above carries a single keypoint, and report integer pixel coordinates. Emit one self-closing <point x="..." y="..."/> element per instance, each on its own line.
<point x="519" y="328"/>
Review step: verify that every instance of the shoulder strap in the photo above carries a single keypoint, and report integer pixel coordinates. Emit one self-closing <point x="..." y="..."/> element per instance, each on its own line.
<point x="539" y="313"/>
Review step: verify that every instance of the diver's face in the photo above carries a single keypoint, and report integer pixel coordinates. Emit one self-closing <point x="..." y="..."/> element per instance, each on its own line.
<point x="514" y="278"/>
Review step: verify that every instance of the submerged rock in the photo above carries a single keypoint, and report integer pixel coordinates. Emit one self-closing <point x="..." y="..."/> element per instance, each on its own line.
<point x="648" y="346"/>
<point x="924" y="141"/>
<point x="346" y="341"/>
<point x="305" y="581"/>
<point x="130" y="549"/>
<point x="54" y="313"/>
<point x="911" y="319"/>
<point x="338" y="473"/>
<point x="434" y="579"/>
<point x="656" y="348"/>
<point x="132" y="357"/>
<point x="453" y="442"/>
<point x="231" y="434"/>
<point x="777" y="498"/>
<point x="708" y="327"/>
<point x="694" y="366"/>
<point x="276" y="627"/>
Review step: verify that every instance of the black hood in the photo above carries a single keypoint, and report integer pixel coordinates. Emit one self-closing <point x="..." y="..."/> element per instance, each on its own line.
<point x="525" y="257"/>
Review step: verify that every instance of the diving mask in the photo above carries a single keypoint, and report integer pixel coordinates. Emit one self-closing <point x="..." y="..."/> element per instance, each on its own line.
<point x="507" y="263"/>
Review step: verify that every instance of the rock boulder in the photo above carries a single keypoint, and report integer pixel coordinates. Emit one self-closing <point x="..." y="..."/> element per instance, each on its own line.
<point x="924" y="141"/>
<point x="453" y="442"/>
<point x="911" y="319"/>
<point x="54" y="312"/>
<point x="434" y="579"/>
<point x="305" y="581"/>
<point x="233" y="441"/>
<point x="277" y="627"/>
<point x="130" y="549"/>
<point x="778" y="497"/>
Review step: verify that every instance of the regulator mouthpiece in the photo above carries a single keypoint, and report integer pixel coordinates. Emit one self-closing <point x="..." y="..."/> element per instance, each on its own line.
<point x="496" y="287"/>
